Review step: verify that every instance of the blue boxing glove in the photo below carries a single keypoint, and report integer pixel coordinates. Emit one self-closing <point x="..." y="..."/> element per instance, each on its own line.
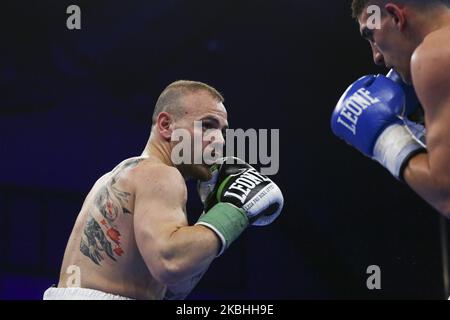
<point x="368" y="117"/>
<point x="412" y="112"/>
<point x="412" y="103"/>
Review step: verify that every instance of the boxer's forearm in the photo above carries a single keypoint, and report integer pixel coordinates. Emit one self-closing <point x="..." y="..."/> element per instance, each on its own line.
<point x="433" y="187"/>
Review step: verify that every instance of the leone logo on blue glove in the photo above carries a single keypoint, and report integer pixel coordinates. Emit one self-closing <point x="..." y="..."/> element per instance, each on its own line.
<point x="369" y="116"/>
<point x="353" y="108"/>
<point x="366" y="108"/>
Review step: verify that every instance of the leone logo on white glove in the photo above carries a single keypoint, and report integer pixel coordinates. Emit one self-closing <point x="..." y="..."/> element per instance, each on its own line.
<point x="243" y="185"/>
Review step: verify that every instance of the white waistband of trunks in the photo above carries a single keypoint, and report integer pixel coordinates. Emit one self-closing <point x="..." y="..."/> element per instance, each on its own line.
<point x="79" y="294"/>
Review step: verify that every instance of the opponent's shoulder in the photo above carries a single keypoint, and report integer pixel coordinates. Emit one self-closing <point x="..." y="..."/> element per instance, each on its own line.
<point x="159" y="179"/>
<point x="430" y="65"/>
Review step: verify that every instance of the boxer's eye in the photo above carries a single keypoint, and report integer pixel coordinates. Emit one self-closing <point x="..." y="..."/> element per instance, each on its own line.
<point x="207" y="125"/>
<point x="367" y="34"/>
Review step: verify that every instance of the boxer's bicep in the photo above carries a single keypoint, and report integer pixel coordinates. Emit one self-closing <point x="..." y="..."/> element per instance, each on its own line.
<point x="160" y="198"/>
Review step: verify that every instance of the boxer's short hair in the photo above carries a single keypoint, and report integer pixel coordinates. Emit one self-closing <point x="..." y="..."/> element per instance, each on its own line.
<point x="170" y="99"/>
<point x="359" y="5"/>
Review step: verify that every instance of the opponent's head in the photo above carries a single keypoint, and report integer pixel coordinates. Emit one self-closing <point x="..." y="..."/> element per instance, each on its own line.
<point x="403" y="25"/>
<point x="182" y="105"/>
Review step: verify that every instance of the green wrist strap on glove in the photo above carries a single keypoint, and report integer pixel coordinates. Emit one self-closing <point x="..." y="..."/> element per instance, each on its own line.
<point x="227" y="221"/>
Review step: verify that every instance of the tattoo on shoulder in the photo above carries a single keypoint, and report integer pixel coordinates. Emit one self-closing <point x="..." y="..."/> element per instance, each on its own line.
<point x="94" y="242"/>
<point x="103" y="237"/>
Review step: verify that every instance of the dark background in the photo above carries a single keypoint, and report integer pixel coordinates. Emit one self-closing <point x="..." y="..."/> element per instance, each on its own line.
<point x="73" y="104"/>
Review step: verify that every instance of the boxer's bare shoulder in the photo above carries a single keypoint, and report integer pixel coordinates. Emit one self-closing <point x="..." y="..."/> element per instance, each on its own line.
<point x="156" y="183"/>
<point x="150" y="174"/>
<point x="430" y="67"/>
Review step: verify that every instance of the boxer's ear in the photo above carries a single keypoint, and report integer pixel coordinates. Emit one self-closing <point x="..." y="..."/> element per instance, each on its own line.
<point x="397" y="13"/>
<point x="164" y="125"/>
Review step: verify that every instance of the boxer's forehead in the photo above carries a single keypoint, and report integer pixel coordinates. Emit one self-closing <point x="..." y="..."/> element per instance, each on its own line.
<point x="202" y="104"/>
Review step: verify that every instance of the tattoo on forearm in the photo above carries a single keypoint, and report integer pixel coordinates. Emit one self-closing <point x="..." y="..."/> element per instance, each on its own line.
<point x="110" y="201"/>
